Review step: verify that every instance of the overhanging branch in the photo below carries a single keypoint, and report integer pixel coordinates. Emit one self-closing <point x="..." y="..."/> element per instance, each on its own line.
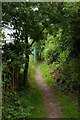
<point x="36" y="37"/>
<point x="32" y="43"/>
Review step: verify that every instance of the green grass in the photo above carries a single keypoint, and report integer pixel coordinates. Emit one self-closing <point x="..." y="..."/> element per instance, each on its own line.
<point x="36" y="97"/>
<point x="27" y="103"/>
<point x="24" y="104"/>
<point x="46" y="74"/>
<point x="37" y="101"/>
<point x="32" y="100"/>
<point x="68" y="104"/>
<point x="32" y="72"/>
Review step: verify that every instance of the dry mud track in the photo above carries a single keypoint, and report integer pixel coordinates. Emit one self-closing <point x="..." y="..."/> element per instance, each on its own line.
<point x="50" y="99"/>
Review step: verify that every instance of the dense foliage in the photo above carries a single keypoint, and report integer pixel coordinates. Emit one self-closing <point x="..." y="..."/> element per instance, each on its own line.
<point x="25" y="22"/>
<point x="62" y="50"/>
<point x="21" y="105"/>
<point x="55" y="29"/>
<point x="58" y="24"/>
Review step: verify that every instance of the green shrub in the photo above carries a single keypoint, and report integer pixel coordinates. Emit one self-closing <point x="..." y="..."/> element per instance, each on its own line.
<point x="64" y="69"/>
<point x="52" y="50"/>
<point x="63" y="56"/>
<point x="13" y="107"/>
<point x="70" y="75"/>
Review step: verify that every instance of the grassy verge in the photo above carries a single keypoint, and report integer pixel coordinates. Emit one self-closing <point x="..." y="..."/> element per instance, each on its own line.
<point x="68" y="104"/>
<point x="46" y="75"/>
<point x="35" y="97"/>
<point x="28" y="103"/>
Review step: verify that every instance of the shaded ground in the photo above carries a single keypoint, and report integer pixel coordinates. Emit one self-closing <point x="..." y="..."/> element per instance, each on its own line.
<point x="50" y="99"/>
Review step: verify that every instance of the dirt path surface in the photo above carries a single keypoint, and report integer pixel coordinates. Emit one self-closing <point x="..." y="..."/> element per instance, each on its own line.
<point x="50" y="99"/>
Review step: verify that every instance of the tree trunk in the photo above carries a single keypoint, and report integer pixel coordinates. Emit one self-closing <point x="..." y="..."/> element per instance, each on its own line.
<point x="25" y="82"/>
<point x="13" y="77"/>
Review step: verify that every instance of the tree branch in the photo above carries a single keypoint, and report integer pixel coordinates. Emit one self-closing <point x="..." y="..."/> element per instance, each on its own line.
<point x="36" y="37"/>
<point x="32" y="43"/>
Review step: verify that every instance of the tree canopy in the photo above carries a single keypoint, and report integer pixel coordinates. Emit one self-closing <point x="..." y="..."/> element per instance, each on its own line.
<point x="56" y="23"/>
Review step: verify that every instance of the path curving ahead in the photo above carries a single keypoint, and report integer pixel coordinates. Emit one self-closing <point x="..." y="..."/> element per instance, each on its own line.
<point x="50" y="100"/>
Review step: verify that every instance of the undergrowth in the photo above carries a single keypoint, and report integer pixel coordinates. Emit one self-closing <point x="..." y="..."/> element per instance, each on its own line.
<point x="46" y="75"/>
<point x="36" y="99"/>
<point x="28" y="103"/>
<point x="68" y="103"/>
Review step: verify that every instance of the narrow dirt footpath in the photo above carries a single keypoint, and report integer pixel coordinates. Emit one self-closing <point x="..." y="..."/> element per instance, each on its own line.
<point x="50" y="100"/>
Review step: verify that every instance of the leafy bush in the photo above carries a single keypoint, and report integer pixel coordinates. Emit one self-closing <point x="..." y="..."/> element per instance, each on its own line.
<point x="63" y="56"/>
<point x="52" y="50"/>
<point x="15" y="106"/>
<point x="64" y="68"/>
